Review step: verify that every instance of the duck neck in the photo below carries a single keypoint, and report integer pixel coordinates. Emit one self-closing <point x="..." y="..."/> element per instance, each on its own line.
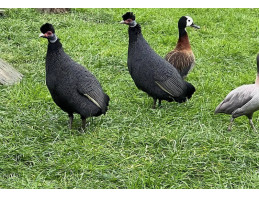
<point x="183" y="41"/>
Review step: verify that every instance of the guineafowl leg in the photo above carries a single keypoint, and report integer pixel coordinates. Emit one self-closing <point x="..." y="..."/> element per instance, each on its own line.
<point x="71" y="117"/>
<point x="159" y="103"/>
<point x="83" y="122"/>
<point x="230" y="124"/>
<point x="154" y="104"/>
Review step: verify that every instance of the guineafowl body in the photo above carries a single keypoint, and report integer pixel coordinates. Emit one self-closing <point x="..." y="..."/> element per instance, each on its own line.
<point x="150" y="72"/>
<point x="73" y="88"/>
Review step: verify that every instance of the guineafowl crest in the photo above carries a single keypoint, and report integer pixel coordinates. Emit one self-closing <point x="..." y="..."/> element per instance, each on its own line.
<point x="47" y="27"/>
<point x="128" y="15"/>
<point x="129" y="19"/>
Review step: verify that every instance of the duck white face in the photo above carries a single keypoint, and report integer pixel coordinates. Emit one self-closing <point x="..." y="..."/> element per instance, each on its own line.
<point x="189" y="21"/>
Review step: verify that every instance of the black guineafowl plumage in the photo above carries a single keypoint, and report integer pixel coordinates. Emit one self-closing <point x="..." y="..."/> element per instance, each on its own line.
<point x="150" y="72"/>
<point x="73" y="88"/>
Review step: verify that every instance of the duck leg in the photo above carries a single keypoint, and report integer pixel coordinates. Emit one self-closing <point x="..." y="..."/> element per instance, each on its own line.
<point x="71" y="117"/>
<point x="154" y="103"/>
<point x="231" y="123"/>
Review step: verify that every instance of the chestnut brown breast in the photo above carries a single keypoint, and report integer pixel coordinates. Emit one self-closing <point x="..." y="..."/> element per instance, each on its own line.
<point x="182" y="57"/>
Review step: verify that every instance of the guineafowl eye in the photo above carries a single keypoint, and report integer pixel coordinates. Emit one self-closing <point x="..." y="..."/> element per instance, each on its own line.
<point x="49" y="33"/>
<point x="129" y="22"/>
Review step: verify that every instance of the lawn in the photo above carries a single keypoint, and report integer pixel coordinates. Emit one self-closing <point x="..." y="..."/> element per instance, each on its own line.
<point x="132" y="146"/>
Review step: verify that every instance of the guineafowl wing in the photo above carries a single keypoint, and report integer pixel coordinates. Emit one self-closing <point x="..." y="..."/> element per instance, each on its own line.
<point x="92" y="89"/>
<point x="169" y="80"/>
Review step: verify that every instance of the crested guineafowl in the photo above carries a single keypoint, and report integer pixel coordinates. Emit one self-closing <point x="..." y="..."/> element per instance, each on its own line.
<point x="73" y="88"/>
<point x="150" y="72"/>
<point x="243" y="100"/>
<point x="182" y="57"/>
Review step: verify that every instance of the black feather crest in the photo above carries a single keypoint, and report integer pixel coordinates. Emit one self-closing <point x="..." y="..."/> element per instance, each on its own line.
<point x="47" y="27"/>
<point x="128" y="15"/>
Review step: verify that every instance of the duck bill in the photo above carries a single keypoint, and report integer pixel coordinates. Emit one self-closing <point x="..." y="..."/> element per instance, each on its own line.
<point x="122" y="22"/>
<point x="195" y="26"/>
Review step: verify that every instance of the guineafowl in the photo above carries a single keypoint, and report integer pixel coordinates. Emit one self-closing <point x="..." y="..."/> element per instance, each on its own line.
<point x="243" y="100"/>
<point x="150" y="72"/>
<point x="182" y="57"/>
<point x="73" y="88"/>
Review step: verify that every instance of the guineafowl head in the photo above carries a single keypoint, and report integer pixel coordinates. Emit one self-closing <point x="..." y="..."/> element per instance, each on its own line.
<point x="48" y="31"/>
<point x="186" y="21"/>
<point x="129" y="19"/>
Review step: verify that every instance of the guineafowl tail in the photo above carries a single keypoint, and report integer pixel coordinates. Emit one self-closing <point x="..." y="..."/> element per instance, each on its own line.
<point x="188" y="94"/>
<point x="180" y="99"/>
<point x="107" y="99"/>
<point x="190" y="90"/>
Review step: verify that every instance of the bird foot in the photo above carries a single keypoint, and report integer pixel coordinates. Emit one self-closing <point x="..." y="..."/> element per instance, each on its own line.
<point x="230" y="124"/>
<point x="82" y="130"/>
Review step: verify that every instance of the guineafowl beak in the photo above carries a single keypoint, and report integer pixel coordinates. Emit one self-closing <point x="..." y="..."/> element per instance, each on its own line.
<point x="195" y="26"/>
<point x="42" y="35"/>
<point x="122" y="22"/>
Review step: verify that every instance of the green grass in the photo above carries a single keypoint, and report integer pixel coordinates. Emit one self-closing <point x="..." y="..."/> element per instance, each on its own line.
<point x="132" y="146"/>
